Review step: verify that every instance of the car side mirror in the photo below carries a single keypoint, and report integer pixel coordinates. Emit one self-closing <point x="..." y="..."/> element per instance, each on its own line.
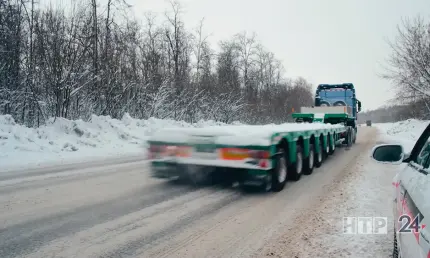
<point x="359" y="106"/>
<point x="388" y="153"/>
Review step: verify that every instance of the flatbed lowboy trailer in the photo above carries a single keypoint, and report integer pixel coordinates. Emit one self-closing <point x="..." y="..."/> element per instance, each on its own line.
<point x="263" y="157"/>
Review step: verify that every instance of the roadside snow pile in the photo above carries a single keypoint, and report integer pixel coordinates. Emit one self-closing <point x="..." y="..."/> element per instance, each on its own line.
<point x="403" y="132"/>
<point x="65" y="141"/>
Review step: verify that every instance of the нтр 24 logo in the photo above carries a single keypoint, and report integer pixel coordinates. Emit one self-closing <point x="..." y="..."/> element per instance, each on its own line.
<point x="409" y="224"/>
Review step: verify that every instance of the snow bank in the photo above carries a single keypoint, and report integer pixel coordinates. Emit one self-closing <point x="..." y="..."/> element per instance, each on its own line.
<point x="63" y="141"/>
<point x="403" y="132"/>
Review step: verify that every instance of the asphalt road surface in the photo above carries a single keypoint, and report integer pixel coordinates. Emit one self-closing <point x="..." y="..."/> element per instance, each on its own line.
<point x="114" y="209"/>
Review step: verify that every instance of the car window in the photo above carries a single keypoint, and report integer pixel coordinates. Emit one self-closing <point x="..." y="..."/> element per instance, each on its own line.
<point x="422" y="157"/>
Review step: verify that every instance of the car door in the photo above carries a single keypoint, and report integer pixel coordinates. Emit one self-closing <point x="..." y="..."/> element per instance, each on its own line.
<point x="412" y="210"/>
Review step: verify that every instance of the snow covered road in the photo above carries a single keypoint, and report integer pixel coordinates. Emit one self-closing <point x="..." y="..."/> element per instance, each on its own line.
<point x="114" y="209"/>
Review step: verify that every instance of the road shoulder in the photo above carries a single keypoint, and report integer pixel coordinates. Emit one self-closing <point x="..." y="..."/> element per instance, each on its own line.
<point x="364" y="191"/>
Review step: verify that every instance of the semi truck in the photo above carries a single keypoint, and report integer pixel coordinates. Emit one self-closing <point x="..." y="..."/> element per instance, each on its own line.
<point x="262" y="157"/>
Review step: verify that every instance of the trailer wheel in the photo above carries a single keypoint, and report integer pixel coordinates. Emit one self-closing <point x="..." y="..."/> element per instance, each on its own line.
<point x="297" y="167"/>
<point x="308" y="163"/>
<point x="327" y="147"/>
<point x="280" y="172"/>
<point x="355" y="136"/>
<point x="349" y="137"/>
<point x="319" y="158"/>
<point x="332" y="147"/>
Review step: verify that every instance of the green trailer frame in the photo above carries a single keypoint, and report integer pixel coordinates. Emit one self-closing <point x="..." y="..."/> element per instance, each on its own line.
<point x="296" y="148"/>
<point x="335" y="118"/>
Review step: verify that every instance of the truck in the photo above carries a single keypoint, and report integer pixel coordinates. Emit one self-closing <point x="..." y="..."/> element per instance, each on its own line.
<point x="258" y="157"/>
<point x="340" y="95"/>
<point x="337" y="99"/>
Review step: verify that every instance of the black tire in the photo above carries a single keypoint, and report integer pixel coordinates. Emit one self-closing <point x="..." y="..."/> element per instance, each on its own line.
<point x="339" y="103"/>
<point x="327" y="148"/>
<point x="355" y="136"/>
<point x="280" y="172"/>
<point x="332" y="146"/>
<point x="297" y="168"/>
<point x="319" y="157"/>
<point x="309" y="162"/>
<point x="324" y="103"/>
<point x="349" y="137"/>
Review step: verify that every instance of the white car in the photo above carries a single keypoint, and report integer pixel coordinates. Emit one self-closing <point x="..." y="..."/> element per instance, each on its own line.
<point x="412" y="196"/>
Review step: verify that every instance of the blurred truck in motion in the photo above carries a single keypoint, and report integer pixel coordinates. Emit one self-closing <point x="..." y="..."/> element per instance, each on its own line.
<point x="259" y="157"/>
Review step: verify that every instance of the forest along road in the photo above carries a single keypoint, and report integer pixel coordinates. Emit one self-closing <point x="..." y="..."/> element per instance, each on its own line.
<point x="117" y="210"/>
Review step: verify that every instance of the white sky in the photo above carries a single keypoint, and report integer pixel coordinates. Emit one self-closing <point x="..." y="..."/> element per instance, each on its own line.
<point x="325" y="41"/>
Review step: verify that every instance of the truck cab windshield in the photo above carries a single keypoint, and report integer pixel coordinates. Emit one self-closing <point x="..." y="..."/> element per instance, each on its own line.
<point x="336" y="97"/>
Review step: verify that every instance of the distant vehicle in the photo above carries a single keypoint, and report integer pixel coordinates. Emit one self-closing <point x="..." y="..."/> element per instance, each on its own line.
<point x="369" y="123"/>
<point x="411" y="200"/>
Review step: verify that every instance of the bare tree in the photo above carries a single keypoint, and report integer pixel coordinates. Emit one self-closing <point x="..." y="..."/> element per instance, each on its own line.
<point x="88" y="61"/>
<point x="409" y="64"/>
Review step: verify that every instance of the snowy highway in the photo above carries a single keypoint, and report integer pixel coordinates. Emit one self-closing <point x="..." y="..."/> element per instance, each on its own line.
<point x="114" y="209"/>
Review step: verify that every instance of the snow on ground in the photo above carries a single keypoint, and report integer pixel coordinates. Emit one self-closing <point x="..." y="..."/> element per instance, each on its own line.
<point x="364" y="191"/>
<point x="403" y="132"/>
<point x="63" y="141"/>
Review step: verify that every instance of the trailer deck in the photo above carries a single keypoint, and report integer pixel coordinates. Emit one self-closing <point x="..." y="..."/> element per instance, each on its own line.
<point x="251" y="155"/>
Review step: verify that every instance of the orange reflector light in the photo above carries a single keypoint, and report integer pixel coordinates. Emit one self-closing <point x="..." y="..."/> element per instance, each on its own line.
<point x="234" y="153"/>
<point x="240" y="154"/>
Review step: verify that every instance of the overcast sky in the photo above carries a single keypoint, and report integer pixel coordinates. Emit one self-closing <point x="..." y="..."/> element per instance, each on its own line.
<point x="325" y="41"/>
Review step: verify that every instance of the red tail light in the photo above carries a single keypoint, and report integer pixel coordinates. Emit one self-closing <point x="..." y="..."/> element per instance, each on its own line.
<point x="259" y="154"/>
<point x="157" y="148"/>
<point x="155" y="151"/>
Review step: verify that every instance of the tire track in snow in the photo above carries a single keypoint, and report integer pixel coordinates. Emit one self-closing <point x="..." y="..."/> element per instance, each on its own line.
<point x="122" y="236"/>
<point x="64" y="177"/>
<point x="163" y="235"/>
<point x="22" y="173"/>
<point x="25" y="237"/>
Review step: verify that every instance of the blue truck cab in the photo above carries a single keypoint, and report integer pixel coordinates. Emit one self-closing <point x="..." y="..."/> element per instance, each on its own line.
<point x="339" y="95"/>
